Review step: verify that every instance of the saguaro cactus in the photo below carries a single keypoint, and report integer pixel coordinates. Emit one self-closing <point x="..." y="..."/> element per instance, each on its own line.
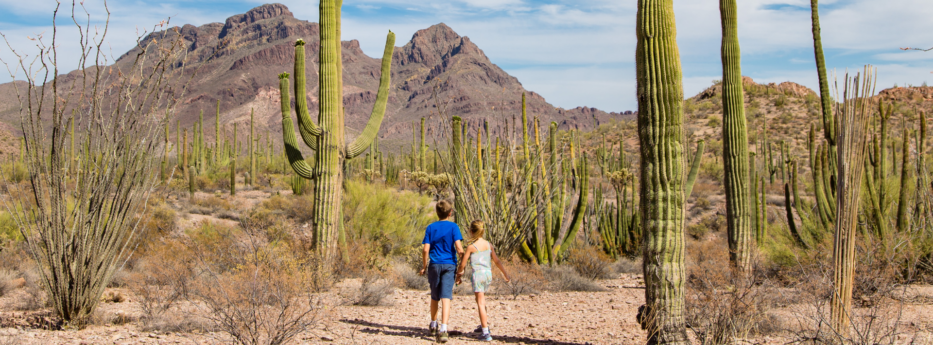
<point x="852" y="133"/>
<point x="662" y="205"/>
<point x="829" y="123"/>
<point x="327" y="135"/>
<point x="735" y="142"/>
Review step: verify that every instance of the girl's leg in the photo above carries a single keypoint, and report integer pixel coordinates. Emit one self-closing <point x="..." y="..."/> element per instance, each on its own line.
<point x="481" y="307"/>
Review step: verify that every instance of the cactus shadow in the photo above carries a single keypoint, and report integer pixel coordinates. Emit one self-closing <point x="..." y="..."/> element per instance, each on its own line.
<point x="422" y="333"/>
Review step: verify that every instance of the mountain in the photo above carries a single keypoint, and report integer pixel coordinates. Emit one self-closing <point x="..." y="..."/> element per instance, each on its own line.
<point x="238" y="62"/>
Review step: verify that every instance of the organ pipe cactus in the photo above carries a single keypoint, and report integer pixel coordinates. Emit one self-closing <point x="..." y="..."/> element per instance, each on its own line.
<point x="233" y="176"/>
<point x="662" y="176"/>
<point x="326" y="136"/>
<point x="251" y="152"/>
<point x="854" y="112"/>
<point x="735" y="143"/>
<point x="902" y="221"/>
<point x="217" y="134"/>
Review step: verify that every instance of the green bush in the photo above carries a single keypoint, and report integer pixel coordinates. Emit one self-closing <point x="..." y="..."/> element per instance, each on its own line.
<point x="396" y="219"/>
<point x="713" y="121"/>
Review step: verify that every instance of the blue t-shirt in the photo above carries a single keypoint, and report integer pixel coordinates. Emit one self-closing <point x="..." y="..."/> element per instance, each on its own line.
<point x="442" y="235"/>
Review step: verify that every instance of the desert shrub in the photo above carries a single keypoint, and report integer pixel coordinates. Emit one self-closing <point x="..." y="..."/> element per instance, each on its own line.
<point x="713" y="121"/>
<point x="786" y="118"/>
<point x="255" y="291"/>
<point x="720" y="307"/>
<point x="702" y="203"/>
<point x="409" y="278"/>
<point x="160" y="280"/>
<point x="626" y="266"/>
<point x="697" y="231"/>
<point x="711" y="170"/>
<point x="213" y="203"/>
<point x="589" y="262"/>
<point x="9" y="231"/>
<point x="564" y="278"/>
<point x="373" y="291"/>
<point x="392" y="218"/>
<point x="780" y="101"/>
<point x="526" y="278"/>
<point x="7" y="283"/>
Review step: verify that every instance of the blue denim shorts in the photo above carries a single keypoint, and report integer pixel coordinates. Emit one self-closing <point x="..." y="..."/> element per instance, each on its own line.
<point x="441" y="278"/>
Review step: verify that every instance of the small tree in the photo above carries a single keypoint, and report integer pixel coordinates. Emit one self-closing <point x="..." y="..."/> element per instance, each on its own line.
<point x="79" y="217"/>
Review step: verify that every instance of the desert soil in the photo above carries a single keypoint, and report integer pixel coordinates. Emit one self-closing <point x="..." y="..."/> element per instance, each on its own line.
<point x="547" y="318"/>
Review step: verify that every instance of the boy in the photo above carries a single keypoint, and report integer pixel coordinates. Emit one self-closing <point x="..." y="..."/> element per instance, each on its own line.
<point x="441" y="240"/>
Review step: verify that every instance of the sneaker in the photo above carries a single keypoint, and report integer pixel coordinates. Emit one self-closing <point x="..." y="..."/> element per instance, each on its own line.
<point x="432" y="328"/>
<point x="442" y="337"/>
<point x="479" y="329"/>
<point x="485" y="337"/>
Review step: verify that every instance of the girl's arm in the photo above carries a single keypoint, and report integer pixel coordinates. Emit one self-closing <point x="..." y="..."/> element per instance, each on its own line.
<point x="495" y="258"/>
<point x="463" y="261"/>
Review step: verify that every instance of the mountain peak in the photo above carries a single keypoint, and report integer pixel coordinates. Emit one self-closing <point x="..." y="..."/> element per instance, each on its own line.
<point x="435" y="44"/>
<point x="256" y="14"/>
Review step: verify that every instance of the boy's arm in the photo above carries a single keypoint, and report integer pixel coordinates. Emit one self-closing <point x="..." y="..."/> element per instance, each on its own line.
<point x="424" y="258"/>
<point x="495" y="258"/>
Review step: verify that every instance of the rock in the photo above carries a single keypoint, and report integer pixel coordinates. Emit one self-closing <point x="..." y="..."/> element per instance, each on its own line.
<point x="326" y="338"/>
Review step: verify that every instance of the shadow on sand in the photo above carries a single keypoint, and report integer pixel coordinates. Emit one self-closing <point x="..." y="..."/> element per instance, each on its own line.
<point x="422" y="333"/>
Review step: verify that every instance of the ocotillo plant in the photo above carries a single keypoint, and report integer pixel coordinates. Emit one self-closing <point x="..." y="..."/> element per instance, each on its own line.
<point x="662" y="206"/>
<point x="327" y="135"/>
<point x="852" y="131"/>
<point x="735" y="142"/>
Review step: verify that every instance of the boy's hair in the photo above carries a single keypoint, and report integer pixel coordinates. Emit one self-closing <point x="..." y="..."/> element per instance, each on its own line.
<point x="443" y="209"/>
<point x="477" y="228"/>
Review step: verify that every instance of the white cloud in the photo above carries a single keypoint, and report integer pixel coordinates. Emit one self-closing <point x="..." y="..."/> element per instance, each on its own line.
<point x="582" y="52"/>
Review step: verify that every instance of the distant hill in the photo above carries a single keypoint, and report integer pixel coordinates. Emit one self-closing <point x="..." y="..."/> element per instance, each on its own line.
<point x="239" y="61"/>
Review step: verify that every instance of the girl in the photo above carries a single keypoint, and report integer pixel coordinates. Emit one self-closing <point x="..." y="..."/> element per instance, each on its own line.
<point x="479" y="254"/>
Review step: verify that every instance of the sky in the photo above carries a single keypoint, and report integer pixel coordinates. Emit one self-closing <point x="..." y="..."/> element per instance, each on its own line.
<point x="574" y="53"/>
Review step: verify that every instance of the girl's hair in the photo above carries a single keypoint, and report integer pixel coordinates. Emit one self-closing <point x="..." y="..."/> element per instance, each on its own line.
<point x="477" y="228"/>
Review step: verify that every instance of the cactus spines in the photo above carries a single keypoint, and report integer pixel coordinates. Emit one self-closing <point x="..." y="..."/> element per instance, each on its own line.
<point x="852" y="134"/>
<point x="735" y="143"/>
<point x="662" y="206"/>
<point x="327" y="136"/>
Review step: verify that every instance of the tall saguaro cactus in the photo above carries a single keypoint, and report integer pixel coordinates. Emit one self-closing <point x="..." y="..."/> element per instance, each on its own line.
<point x="662" y="139"/>
<point x="327" y="135"/>
<point x="828" y="151"/>
<point x="735" y="142"/>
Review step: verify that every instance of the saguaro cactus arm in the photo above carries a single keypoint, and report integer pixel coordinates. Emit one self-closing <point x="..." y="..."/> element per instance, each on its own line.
<point x="295" y="158"/>
<point x="301" y="97"/>
<point x="361" y="143"/>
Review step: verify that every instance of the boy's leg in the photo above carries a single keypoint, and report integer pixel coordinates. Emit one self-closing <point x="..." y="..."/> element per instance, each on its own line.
<point x="447" y="275"/>
<point x="445" y="314"/>
<point x="433" y="310"/>
<point x="481" y="307"/>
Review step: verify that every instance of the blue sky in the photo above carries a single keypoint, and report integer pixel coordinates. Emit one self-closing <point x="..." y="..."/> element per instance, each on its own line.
<point x="575" y="53"/>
